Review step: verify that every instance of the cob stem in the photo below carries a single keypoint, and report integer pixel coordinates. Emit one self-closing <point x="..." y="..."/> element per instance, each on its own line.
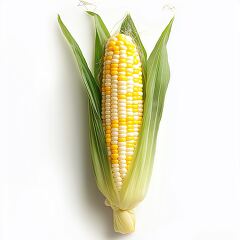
<point x="123" y="220"/>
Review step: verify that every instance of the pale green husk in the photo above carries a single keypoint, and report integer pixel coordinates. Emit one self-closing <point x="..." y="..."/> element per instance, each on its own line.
<point x="155" y="81"/>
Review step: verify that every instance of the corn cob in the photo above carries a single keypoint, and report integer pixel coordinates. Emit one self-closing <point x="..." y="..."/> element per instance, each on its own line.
<point x="122" y="103"/>
<point x="119" y="147"/>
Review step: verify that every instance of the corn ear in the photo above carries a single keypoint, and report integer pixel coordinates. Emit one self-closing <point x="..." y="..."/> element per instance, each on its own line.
<point x="155" y="76"/>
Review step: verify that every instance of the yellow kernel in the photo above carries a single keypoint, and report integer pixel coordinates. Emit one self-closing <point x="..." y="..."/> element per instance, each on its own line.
<point x="114" y="156"/>
<point x="115" y="125"/>
<point x="114" y="72"/>
<point x="121" y="96"/>
<point x="130" y="138"/>
<point x="119" y="43"/>
<point x="107" y="66"/>
<point x="130" y="145"/>
<point x="129" y="53"/>
<point x="114" y="65"/>
<point x="136" y="71"/>
<point x="114" y="161"/>
<point x="114" y="121"/>
<point x="114" y="151"/>
<point x="128" y="158"/>
<point x="120" y="36"/>
<point x="122" y="60"/>
<point x="114" y="146"/>
<point x="116" y="48"/>
<point x="122" y="139"/>
<point x="122" y="78"/>
<point x="122" y="120"/>
<point x="111" y="43"/>
<point x="122" y="69"/>
<point x="108" y="57"/>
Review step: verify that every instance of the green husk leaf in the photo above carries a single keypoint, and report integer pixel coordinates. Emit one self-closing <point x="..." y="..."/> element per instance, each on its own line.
<point x="102" y="36"/>
<point x="128" y="27"/>
<point x="101" y="165"/>
<point x="90" y="83"/>
<point x="138" y="177"/>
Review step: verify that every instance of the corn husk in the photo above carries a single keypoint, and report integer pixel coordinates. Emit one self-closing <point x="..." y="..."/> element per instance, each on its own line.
<point x="156" y="76"/>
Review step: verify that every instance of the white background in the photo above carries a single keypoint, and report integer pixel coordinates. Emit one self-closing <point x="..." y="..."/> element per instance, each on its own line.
<point x="47" y="189"/>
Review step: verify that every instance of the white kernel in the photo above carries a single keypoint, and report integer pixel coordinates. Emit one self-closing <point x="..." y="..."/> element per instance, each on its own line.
<point x="122" y="151"/>
<point x="118" y="184"/>
<point x="122" y="108"/>
<point x="129" y="61"/>
<point x="114" y="138"/>
<point x="114" y="77"/>
<point x="122" y="65"/>
<point x="121" y="73"/>
<point x="115" y="165"/>
<point x="122" y="83"/>
<point x="123" y="165"/>
<point x="115" y="169"/>
<point x="123" y="56"/>
<point x="123" y="47"/>
<point x="122" y="103"/>
<point x="129" y="70"/>
<point x="109" y="53"/>
<point x="122" y="52"/>
<point x="122" y="143"/>
<point x="121" y="158"/>
<point x="114" y="98"/>
<point x="116" y="174"/>
<point x="123" y="170"/>
<point x="122" y="87"/>
<point x="115" y="56"/>
<point x="114" y="134"/>
<point x="115" y="60"/>
<point x="122" y="91"/>
<point x="122" y="162"/>
<point x="117" y="179"/>
<point x="114" y="110"/>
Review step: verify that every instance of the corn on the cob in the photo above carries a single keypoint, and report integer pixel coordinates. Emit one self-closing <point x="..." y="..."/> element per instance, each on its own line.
<point x="122" y="103"/>
<point x="117" y="148"/>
